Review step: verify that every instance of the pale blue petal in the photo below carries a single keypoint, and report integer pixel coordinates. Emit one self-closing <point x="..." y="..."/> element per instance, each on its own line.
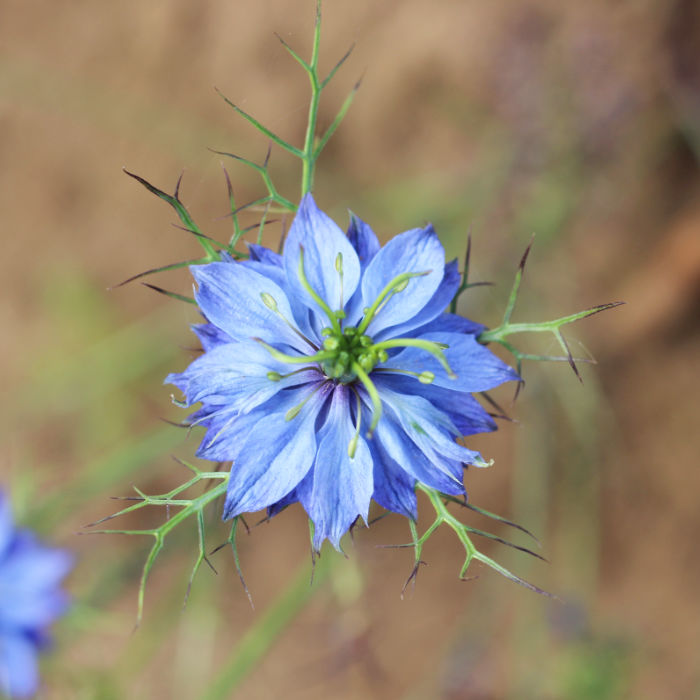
<point x="275" y="457"/>
<point x="236" y="372"/>
<point x="231" y="296"/>
<point x="418" y="251"/>
<point x="323" y="242"/>
<point x="339" y="488"/>
<point x="428" y="427"/>
<point x="301" y="314"/>
<point x="229" y="425"/>
<point x="476" y="367"/>
<point x="465" y="412"/>
<point x="433" y="309"/>
<point x="392" y="440"/>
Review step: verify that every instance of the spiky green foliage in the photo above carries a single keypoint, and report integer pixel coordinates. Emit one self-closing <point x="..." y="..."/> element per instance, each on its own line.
<point x="188" y="508"/>
<point x="506" y="328"/>
<point x="443" y="516"/>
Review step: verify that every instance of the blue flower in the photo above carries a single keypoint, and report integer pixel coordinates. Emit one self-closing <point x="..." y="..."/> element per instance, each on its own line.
<point x="30" y="600"/>
<point x="331" y="374"/>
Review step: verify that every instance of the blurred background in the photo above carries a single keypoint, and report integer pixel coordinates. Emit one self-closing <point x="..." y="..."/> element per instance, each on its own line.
<point x="576" y="122"/>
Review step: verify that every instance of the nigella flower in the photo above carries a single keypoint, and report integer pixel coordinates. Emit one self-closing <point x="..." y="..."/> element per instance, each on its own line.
<point x="30" y="600"/>
<point x="331" y="374"/>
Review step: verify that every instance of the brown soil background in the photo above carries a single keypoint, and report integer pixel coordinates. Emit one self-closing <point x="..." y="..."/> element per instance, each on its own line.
<point x="578" y="122"/>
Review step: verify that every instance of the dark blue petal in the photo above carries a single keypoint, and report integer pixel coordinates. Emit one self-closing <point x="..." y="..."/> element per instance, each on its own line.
<point x="288" y="500"/>
<point x="434" y="308"/>
<point x="363" y="240"/>
<point x="274" y="458"/>
<point x="210" y="335"/>
<point x="227" y="430"/>
<point x="231" y="296"/>
<point x="339" y="488"/>
<point x="418" y="251"/>
<point x="476" y="367"/>
<point x="394" y="488"/>
<point x="323" y="242"/>
<point x="260" y="253"/>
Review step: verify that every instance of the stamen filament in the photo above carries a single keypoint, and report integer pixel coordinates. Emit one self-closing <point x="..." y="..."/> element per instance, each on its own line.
<point x="339" y="269"/>
<point x="390" y="287"/>
<point x="271" y="304"/>
<point x="373" y="395"/>
<point x="276" y="376"/>
<point x="295" y="359"/>
<point x="314" y="295"/>
<point x="352" y="446"/>
<point x="434" y="349"/>
<point x="293" y="412"/>
<point x="424" y="377"/>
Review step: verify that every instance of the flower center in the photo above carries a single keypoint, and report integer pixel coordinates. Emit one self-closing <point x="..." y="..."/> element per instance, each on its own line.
<point x="349" y="347"/>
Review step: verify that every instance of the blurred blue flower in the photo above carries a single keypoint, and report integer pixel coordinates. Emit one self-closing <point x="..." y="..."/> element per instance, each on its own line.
<point x="30" y="600"/>
<point x="331" y="374"/>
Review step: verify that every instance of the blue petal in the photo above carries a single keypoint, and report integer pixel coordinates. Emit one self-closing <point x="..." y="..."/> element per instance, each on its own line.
<point x="393" y="443"/>
<point x="19" y="675"/>
<point x="227" y="430"/>
<point x="300" y="312"/>
<point x="476" y="367"/>
<point x="229" y="426"/>
<point x="363" y="240"/>
<point x="465" y="412"/>
<point x="275" y="457"/>
<point x="418" y="251"/>
<point x="394" y="489"/>
<point x="323" y="242"/>
<point x="284" y="502"/>
<point x="29" y="583"/>
<point x="434" y="308"/>
<point x="450" y="323"/>
<point x="230" y="295"/>
<point x="429" y="428"/>
<point x="339" y="488"/>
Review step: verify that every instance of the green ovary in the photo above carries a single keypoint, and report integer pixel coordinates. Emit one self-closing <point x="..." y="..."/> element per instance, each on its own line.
<point x="349" y="347"/>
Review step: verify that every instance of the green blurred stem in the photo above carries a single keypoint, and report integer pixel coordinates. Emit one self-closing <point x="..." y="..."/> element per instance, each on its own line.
<point x="309" y="157"/>
<point x="258" y="640"/>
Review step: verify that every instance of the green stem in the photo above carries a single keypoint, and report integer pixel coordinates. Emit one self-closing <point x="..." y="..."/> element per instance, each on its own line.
<point x="309" y="156"/>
